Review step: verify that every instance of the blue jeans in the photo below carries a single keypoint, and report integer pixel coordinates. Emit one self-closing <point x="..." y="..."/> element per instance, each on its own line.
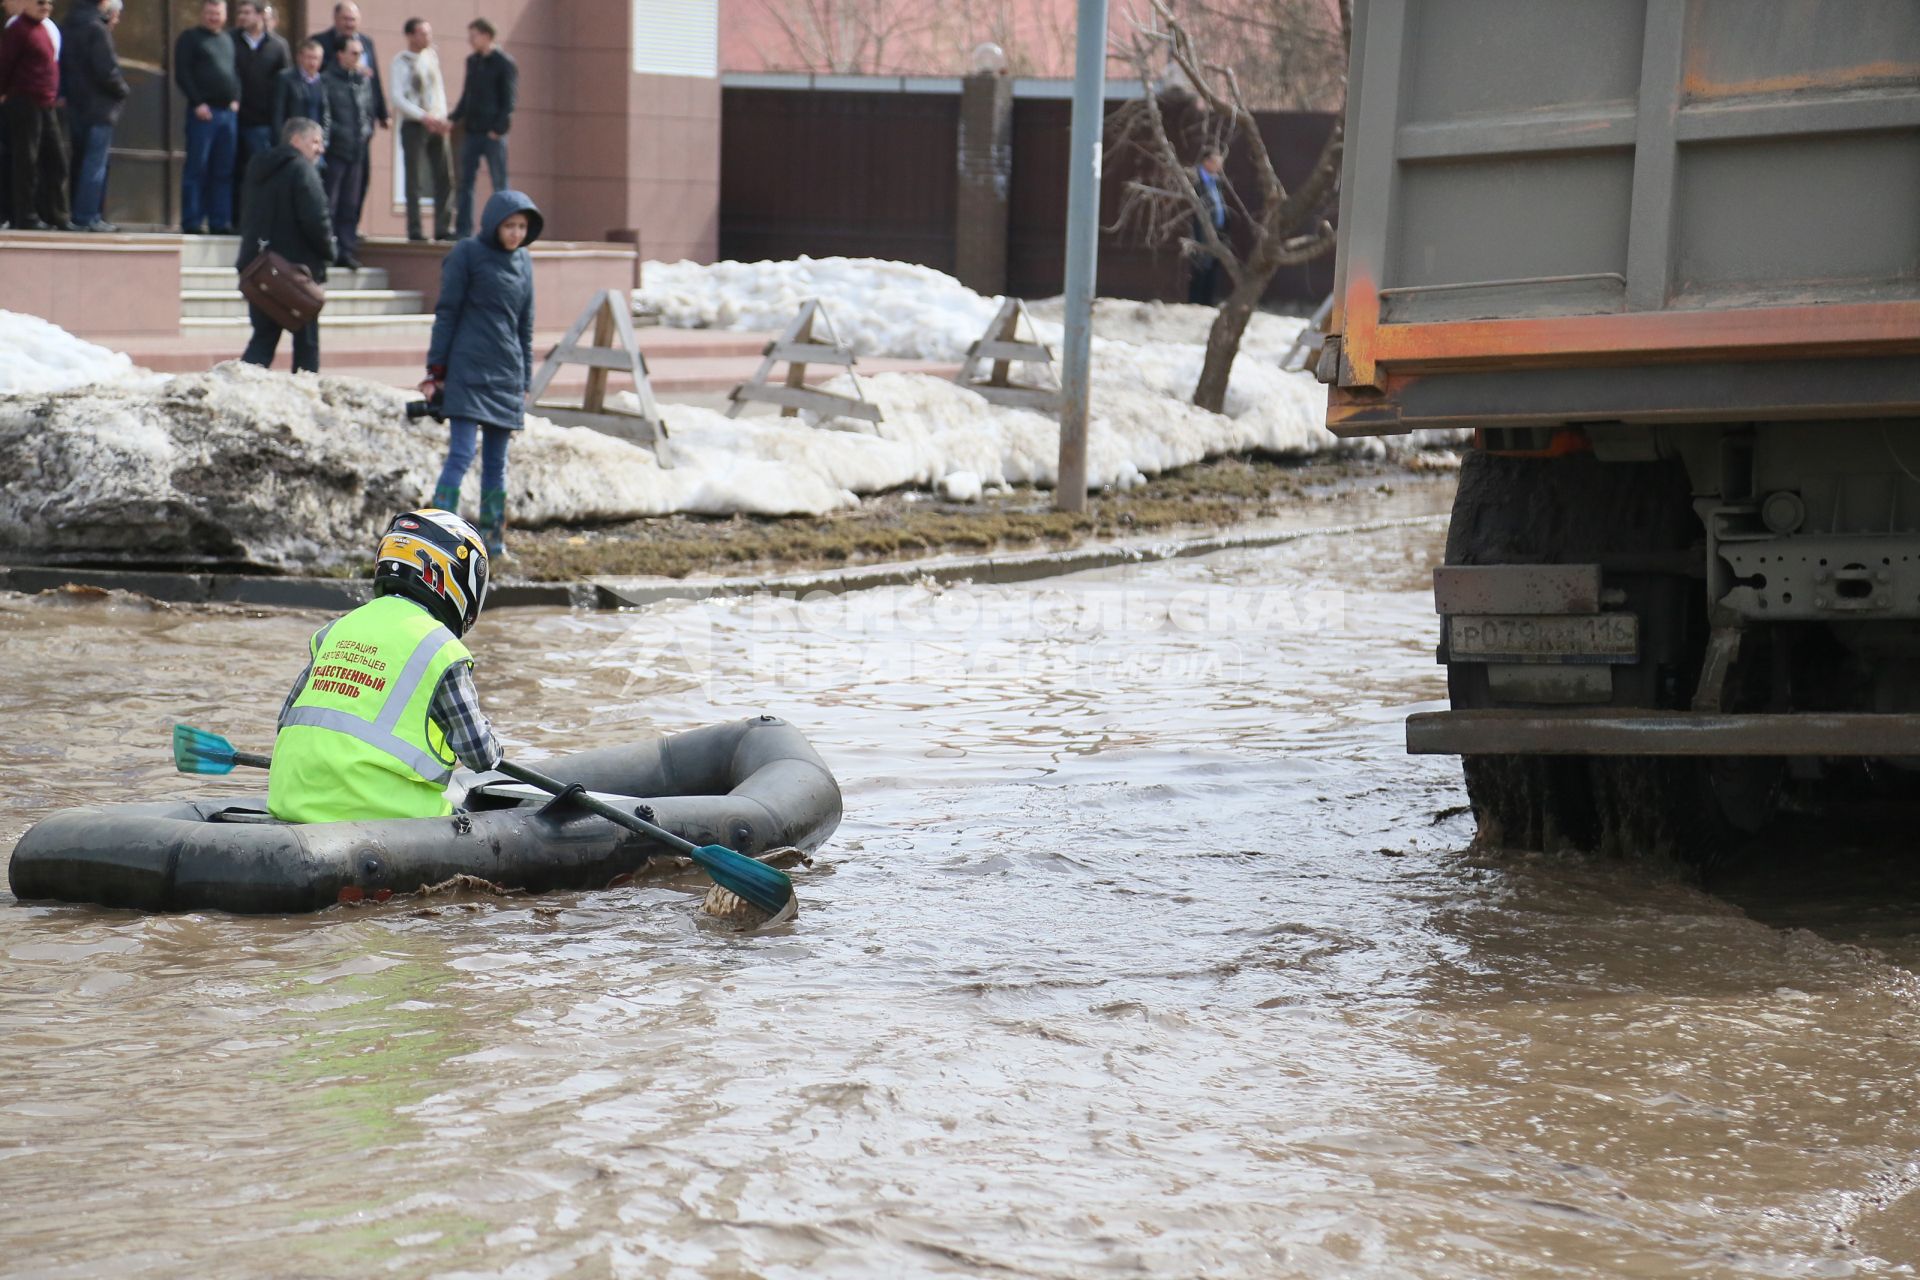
<point x="493" y="454"/>
<point x="206" y="184"/>
<point x="474" y="148"/>
<point x="90" y="146"/>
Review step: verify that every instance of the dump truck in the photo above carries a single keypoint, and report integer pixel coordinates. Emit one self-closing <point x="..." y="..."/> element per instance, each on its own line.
<point x="1662" y="259"/>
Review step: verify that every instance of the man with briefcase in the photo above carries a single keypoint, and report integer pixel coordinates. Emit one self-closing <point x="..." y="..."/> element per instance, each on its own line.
<point x="286" y="242"/>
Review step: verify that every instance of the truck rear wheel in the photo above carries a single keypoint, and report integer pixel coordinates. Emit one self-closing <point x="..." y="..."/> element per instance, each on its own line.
<point x="1576" y="509"/>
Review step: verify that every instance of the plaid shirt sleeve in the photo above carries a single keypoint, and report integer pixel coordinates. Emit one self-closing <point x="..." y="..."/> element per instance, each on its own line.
<point x="294" y="692"/>
<point x="456" y="705"/>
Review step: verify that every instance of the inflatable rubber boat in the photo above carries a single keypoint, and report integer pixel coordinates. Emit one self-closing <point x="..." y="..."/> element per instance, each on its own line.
<point x="753" y="785"/>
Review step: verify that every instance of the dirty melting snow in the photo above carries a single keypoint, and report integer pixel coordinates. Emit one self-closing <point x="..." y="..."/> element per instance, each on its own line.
<point x="245" y="465"/>
<point x="1146" y="361"/>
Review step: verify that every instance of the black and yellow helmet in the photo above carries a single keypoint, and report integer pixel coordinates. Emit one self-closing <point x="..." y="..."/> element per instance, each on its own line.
<point x="438" y="559"/>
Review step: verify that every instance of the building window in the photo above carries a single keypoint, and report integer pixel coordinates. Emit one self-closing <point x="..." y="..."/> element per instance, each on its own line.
<point x="676" y="37"/>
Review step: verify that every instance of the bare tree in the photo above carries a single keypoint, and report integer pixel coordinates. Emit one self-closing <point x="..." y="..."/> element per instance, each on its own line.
<point x="1165" y="205"/>
<point x="849" y="37"/>
<point x="1288" y="55"/>
<point x="915" y="37"/>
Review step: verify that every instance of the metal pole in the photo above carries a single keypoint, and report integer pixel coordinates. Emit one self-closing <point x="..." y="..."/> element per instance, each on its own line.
<point x="1083" y="243"/>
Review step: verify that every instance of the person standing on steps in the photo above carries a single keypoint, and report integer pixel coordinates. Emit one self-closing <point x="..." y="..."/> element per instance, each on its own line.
<point x="420" y="96"/>
<point x="286" y="211"/>
<point x="346" y="26"/>
<point x="90" y="70"/>
<point x="481" y="355"/>
<point x="203" y="67"/>
<point x="350" y="103"/>
<point x="30" y="86"/>
<point x="485" y="109"/>
<point x="300" y="91"/>
<point x="259" y="56"/>
<point x="13" y="11"/>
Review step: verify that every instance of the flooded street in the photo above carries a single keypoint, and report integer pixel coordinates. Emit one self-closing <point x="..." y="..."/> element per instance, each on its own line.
<point x="1143" y="951"/>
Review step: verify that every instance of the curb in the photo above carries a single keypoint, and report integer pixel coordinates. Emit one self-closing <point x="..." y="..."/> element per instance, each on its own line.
<point x="637" y="593"/>
<point x="261" y="589"/>
<point x="1001" y="570"/>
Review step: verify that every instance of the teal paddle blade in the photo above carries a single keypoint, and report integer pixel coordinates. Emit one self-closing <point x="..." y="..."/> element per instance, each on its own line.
<point x="768" y="888"/>
<point x="197" y="751"/>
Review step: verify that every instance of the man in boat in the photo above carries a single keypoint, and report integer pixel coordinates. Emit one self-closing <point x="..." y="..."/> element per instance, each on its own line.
<point x="386" y="706"/>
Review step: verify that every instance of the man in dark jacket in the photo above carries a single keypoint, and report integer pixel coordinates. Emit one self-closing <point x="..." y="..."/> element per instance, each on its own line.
<point x="204" y="69"/>
<point x="286" y="211"/>
<point x="301" y="91"/>
<point x="95" y="89"/>
<point x="259" y="56"/>
<point x="30" y="83"/>
<point x="346" y="26"/>
<point x="486" y="110"/>
<point x="350" y="100"/>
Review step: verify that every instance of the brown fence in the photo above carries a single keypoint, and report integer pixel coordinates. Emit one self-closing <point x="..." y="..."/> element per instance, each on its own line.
<point x="865" y="175"/>
<point x="823" y="172"/>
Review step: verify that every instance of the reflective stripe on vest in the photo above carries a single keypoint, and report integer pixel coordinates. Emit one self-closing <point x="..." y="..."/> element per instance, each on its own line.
<point x="360" y="741"/>
<point x="379" y="733"/>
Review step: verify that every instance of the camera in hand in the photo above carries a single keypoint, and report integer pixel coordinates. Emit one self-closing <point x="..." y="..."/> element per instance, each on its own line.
<point x="435" y="408"/>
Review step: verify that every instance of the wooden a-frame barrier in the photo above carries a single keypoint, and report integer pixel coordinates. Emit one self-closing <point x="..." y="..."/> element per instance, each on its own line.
<point x="1002" y="345"/>
<point x="799" y="347"/>
<point x="611" y="314"/>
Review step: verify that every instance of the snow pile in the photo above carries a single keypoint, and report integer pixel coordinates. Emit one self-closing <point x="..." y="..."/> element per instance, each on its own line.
<point x="244" y="466"/>
<point x="1146" y="361"/>
<point x="36" y="355"/>
<point x="940" y="435"/>
<point x="882" y="308"/>
<point x="878" y="308"/>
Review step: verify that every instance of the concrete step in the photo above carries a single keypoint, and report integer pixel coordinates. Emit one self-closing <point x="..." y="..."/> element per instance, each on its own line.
<point x="206" y="303"/>
<point x="209" y="251"/>
<point x="225" y="277"/>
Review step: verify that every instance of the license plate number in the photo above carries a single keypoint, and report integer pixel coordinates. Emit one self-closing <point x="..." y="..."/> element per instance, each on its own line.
<point x="1598" y="637"/>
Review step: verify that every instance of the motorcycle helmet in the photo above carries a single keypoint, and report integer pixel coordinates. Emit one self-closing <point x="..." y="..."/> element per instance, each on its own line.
<point x="437" y="559"/>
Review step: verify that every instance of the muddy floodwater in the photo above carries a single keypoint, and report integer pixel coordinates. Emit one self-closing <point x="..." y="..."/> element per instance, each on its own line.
<point x="1143" y="951"/>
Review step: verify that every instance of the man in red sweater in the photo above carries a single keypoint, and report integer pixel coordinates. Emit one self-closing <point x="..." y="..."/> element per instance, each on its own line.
<point x="29" y="87"/>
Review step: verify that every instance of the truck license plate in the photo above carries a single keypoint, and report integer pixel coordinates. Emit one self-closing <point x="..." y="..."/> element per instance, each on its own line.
<point x="1596" y="637"/>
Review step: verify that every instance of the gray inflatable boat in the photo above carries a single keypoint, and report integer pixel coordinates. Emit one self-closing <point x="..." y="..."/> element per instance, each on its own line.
<point x="753" y="786"/>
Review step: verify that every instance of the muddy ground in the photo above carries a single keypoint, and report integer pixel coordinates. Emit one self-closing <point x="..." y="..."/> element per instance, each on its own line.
<point x="908" y="525"/>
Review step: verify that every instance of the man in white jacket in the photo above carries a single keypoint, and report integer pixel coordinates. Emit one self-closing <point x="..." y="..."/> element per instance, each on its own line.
<point x="420" y="96"/>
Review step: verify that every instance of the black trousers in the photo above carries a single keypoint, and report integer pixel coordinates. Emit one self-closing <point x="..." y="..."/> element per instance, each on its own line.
<point x="37" y="138"/>
<point x="266" y="341"/>
<point x="1206" y="275"/>
<point x="346" y="186"/>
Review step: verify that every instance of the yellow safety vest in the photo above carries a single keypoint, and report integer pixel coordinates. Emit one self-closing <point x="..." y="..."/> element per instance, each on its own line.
<point x="358" y="743"/>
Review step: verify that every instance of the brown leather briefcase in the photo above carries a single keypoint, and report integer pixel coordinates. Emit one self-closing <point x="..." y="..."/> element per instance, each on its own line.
<point x="287" y="292"/>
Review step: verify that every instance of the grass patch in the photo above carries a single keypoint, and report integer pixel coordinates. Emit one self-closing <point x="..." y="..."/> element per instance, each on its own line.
<point x="904" y="526"/>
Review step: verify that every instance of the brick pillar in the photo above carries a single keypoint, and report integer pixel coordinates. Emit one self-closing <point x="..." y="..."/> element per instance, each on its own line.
<point x="986" y="166"/>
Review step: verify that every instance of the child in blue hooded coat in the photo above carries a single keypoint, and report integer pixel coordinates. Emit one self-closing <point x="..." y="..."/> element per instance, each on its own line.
<point x="481" y="356"/>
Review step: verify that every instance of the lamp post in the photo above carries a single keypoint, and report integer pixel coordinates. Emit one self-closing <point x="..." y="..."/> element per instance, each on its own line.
<point x="1083" y="242"/>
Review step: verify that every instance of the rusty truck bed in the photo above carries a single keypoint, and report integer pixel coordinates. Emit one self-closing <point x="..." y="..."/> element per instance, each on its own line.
<point x="1628" y="210"/>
